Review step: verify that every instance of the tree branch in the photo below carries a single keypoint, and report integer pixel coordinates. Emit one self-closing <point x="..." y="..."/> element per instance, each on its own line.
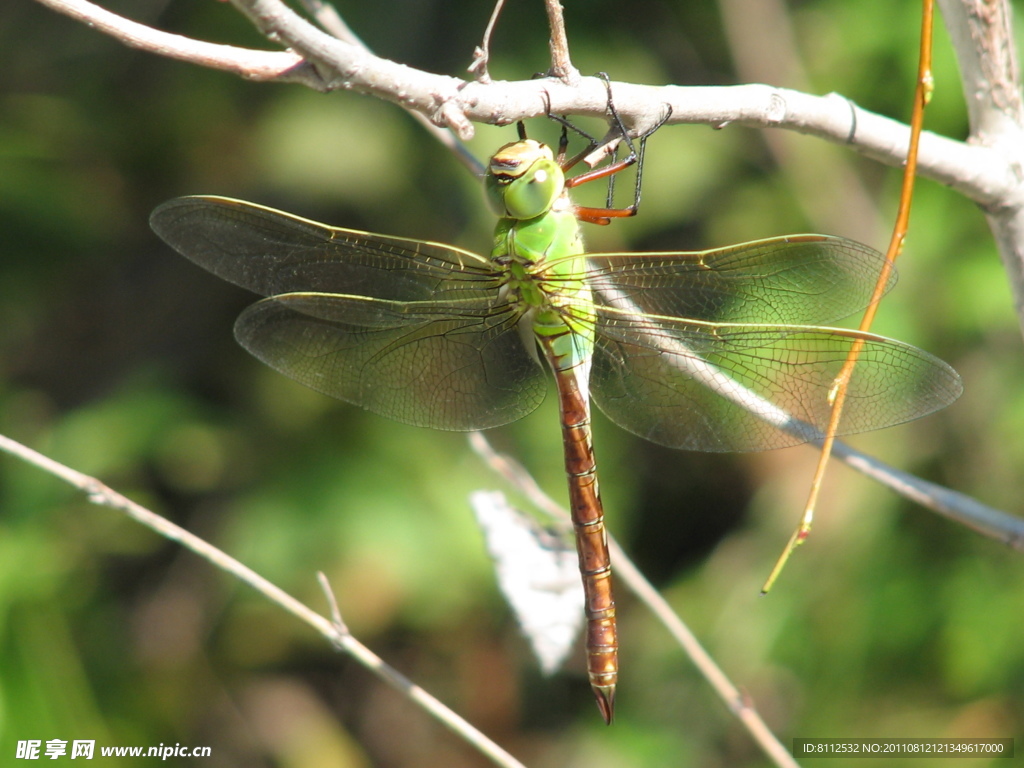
<point x="982" y="35"/>
<point x="981" y="173"/>
<point x="282" y="66"/>
<point x="333" y="630"/>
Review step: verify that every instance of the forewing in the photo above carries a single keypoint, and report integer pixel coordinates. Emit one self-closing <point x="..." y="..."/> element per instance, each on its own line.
<point x="747" y="388"/>
<point x="459" y="366"/>
<point x="800" y="280"/>
<point x="271" y="252"/>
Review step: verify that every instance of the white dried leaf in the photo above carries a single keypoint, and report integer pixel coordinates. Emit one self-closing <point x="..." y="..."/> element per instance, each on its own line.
<point x="538" y="572"/>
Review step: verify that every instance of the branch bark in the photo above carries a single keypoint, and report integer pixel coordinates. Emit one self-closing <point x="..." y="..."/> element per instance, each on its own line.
<point x="282" y="66"/>
<point x="983" y="173"/>
<point x="982" y="35"/>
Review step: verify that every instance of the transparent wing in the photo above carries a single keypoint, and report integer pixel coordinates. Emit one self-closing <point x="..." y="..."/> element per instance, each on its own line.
<point x="745" y="388"/>
<point x="458" y="366"/>
<point x="800" y="280"/>
<point x="271" y="252"/>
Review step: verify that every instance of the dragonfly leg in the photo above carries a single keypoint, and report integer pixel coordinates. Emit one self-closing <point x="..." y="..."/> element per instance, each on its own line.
<point x="563" y="139"/>
<point x="615" y="165"/>
<point x="563" y="146"/>
<point x="635" y="157"/>
<point x="593" y="142"/>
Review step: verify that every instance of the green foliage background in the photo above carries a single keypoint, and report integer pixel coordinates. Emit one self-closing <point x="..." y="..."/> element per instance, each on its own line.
<point x="116" y="358"/>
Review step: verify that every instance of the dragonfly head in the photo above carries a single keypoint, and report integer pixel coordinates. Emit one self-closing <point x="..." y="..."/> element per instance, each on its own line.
<point x="523" y="180"/>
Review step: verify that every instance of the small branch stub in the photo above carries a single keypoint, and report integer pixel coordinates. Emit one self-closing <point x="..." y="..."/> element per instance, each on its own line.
<point x="561" y="65"/>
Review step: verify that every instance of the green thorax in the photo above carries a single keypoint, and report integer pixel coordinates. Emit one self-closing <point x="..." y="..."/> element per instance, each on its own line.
<point x="537" y="237"/>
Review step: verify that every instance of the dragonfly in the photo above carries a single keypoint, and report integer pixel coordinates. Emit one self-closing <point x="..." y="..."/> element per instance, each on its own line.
<point x="717" y="350"/>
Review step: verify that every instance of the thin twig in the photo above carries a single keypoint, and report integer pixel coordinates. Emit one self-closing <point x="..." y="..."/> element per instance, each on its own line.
<point x="561" y="65"/>
<point x="958" y="507"/>
<point x="99" y="493"/>
<point x="281" y="66"/>
<point x="332" y="602"/>
<point x="841" y="383"/>
<point x="327" y="16"/>
<point x="627" y="572"/>
<point x="991" y="522"/>
<point x="482" y="53"/>
<point x="738" y="703"/>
